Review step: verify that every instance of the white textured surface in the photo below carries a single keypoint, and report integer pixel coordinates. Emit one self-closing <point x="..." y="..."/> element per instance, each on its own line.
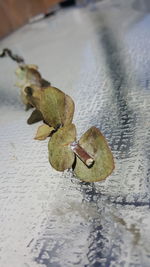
<point x="100" y="56"/>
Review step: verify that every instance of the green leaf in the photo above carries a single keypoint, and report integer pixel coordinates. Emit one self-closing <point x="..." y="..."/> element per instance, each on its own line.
<point x="35" y="116"/>
<point x="96" y="145"/>
<point x="61" y="156"/>
<point x="43" y="132"/>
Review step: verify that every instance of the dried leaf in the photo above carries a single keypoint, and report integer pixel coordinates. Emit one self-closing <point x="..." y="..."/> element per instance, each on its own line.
<point x="32" y="66"/>
<point x="69" y="110"/>
<point x="29" y="75"/>
<point x="95" y="144"/>
<point x="56" y="107"/>
<point x="61" y="157"/>
<point x="35" y="116"/>
<point x="52" y="105"/>
<point x="33" y="94"/>
<point x="25" y="100"/>
<point x="43" y="132"/>
<point x="45" y="83"/>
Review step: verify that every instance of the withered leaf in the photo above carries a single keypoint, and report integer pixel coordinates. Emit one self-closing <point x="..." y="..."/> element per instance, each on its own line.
<point x="29" y="75"/>
<point x="96" y="145"/>
<point x="45" y="83"/>
<point x="61" y="156"/>
<point x="52" y="105"/>
<point x="35" y="116"/>
<point x="25" y="100"/>
<point x="69" y="110"/>
<point x="33" y="94"/>
<point x="56" y="107"/>
<point x="43" y="132"/>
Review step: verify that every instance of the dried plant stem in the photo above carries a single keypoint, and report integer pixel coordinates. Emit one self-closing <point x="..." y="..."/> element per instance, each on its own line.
<point x="82" y="154"/>
<point x="8" y="52"/>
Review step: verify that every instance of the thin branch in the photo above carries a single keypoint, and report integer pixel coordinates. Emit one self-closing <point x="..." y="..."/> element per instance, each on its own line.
<point x="82" y="154"/>
<point x="8" y="52"/>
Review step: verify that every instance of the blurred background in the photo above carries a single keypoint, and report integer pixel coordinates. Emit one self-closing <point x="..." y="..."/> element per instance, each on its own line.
<point x="15" y="13"/>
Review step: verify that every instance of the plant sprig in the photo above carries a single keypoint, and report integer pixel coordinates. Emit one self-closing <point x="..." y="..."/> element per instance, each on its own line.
<point x="90" y="158"/>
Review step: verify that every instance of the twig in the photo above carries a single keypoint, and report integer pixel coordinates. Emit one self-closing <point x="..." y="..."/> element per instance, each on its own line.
<point x="82" y="154"/>
<point x="8" y="52"/>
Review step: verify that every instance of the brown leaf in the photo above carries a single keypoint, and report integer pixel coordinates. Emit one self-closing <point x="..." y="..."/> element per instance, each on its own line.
<point x="33" y="94"/>
<point x="61" y="156"/>
<point x="35" y="116"/>
<point x="96" y="145"/>
<point x="29" y="75"/>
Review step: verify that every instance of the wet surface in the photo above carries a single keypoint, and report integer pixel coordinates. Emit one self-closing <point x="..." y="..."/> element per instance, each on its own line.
<point x="100" y="56"/>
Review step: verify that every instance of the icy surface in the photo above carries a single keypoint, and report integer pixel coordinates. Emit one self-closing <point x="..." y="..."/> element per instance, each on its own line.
<point x="100" y="55"/>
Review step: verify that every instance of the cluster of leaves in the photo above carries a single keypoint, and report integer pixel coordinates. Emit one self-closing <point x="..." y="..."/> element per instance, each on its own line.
<point x="56" y="110"/>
